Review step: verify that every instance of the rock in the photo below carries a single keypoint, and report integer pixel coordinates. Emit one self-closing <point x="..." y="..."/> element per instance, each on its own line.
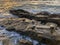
<point x="25" y="42"/>
<point x="43" y="13"/>
<point x="22" y="13"/>
<point x="11" y="28"/>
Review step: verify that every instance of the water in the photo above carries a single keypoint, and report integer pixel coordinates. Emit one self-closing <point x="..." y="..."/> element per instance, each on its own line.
<point x="14" y="37"/>
<point x="31" y="8"/>
<point x="38" y="8"/>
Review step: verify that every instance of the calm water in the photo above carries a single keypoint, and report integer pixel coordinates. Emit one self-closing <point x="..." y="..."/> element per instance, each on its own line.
<point x="39" y="8"/>
<point x="33" y="9"/>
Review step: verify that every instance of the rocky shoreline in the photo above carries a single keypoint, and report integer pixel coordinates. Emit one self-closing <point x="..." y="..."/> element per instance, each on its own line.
<point x="43" y="26"/>
<point x="33" y="29"/>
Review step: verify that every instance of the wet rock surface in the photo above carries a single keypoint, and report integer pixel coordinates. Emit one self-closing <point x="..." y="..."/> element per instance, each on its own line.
<point x="14" y="38"/>
<point x="32" y="28"/>
<point x="43" y="26"/>
<point x="25" y="42"/>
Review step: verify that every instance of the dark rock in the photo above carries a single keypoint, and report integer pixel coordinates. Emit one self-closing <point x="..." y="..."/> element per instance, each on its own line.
<point x="25" y="42"/>
<point x="43" y="13"/>
<point x="55" y="15"/>
<point x="10" y="28"/>
<point x="21" y="13"/>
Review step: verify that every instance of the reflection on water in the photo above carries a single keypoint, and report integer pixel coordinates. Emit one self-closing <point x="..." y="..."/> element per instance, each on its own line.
<point x="15" y="37"/>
